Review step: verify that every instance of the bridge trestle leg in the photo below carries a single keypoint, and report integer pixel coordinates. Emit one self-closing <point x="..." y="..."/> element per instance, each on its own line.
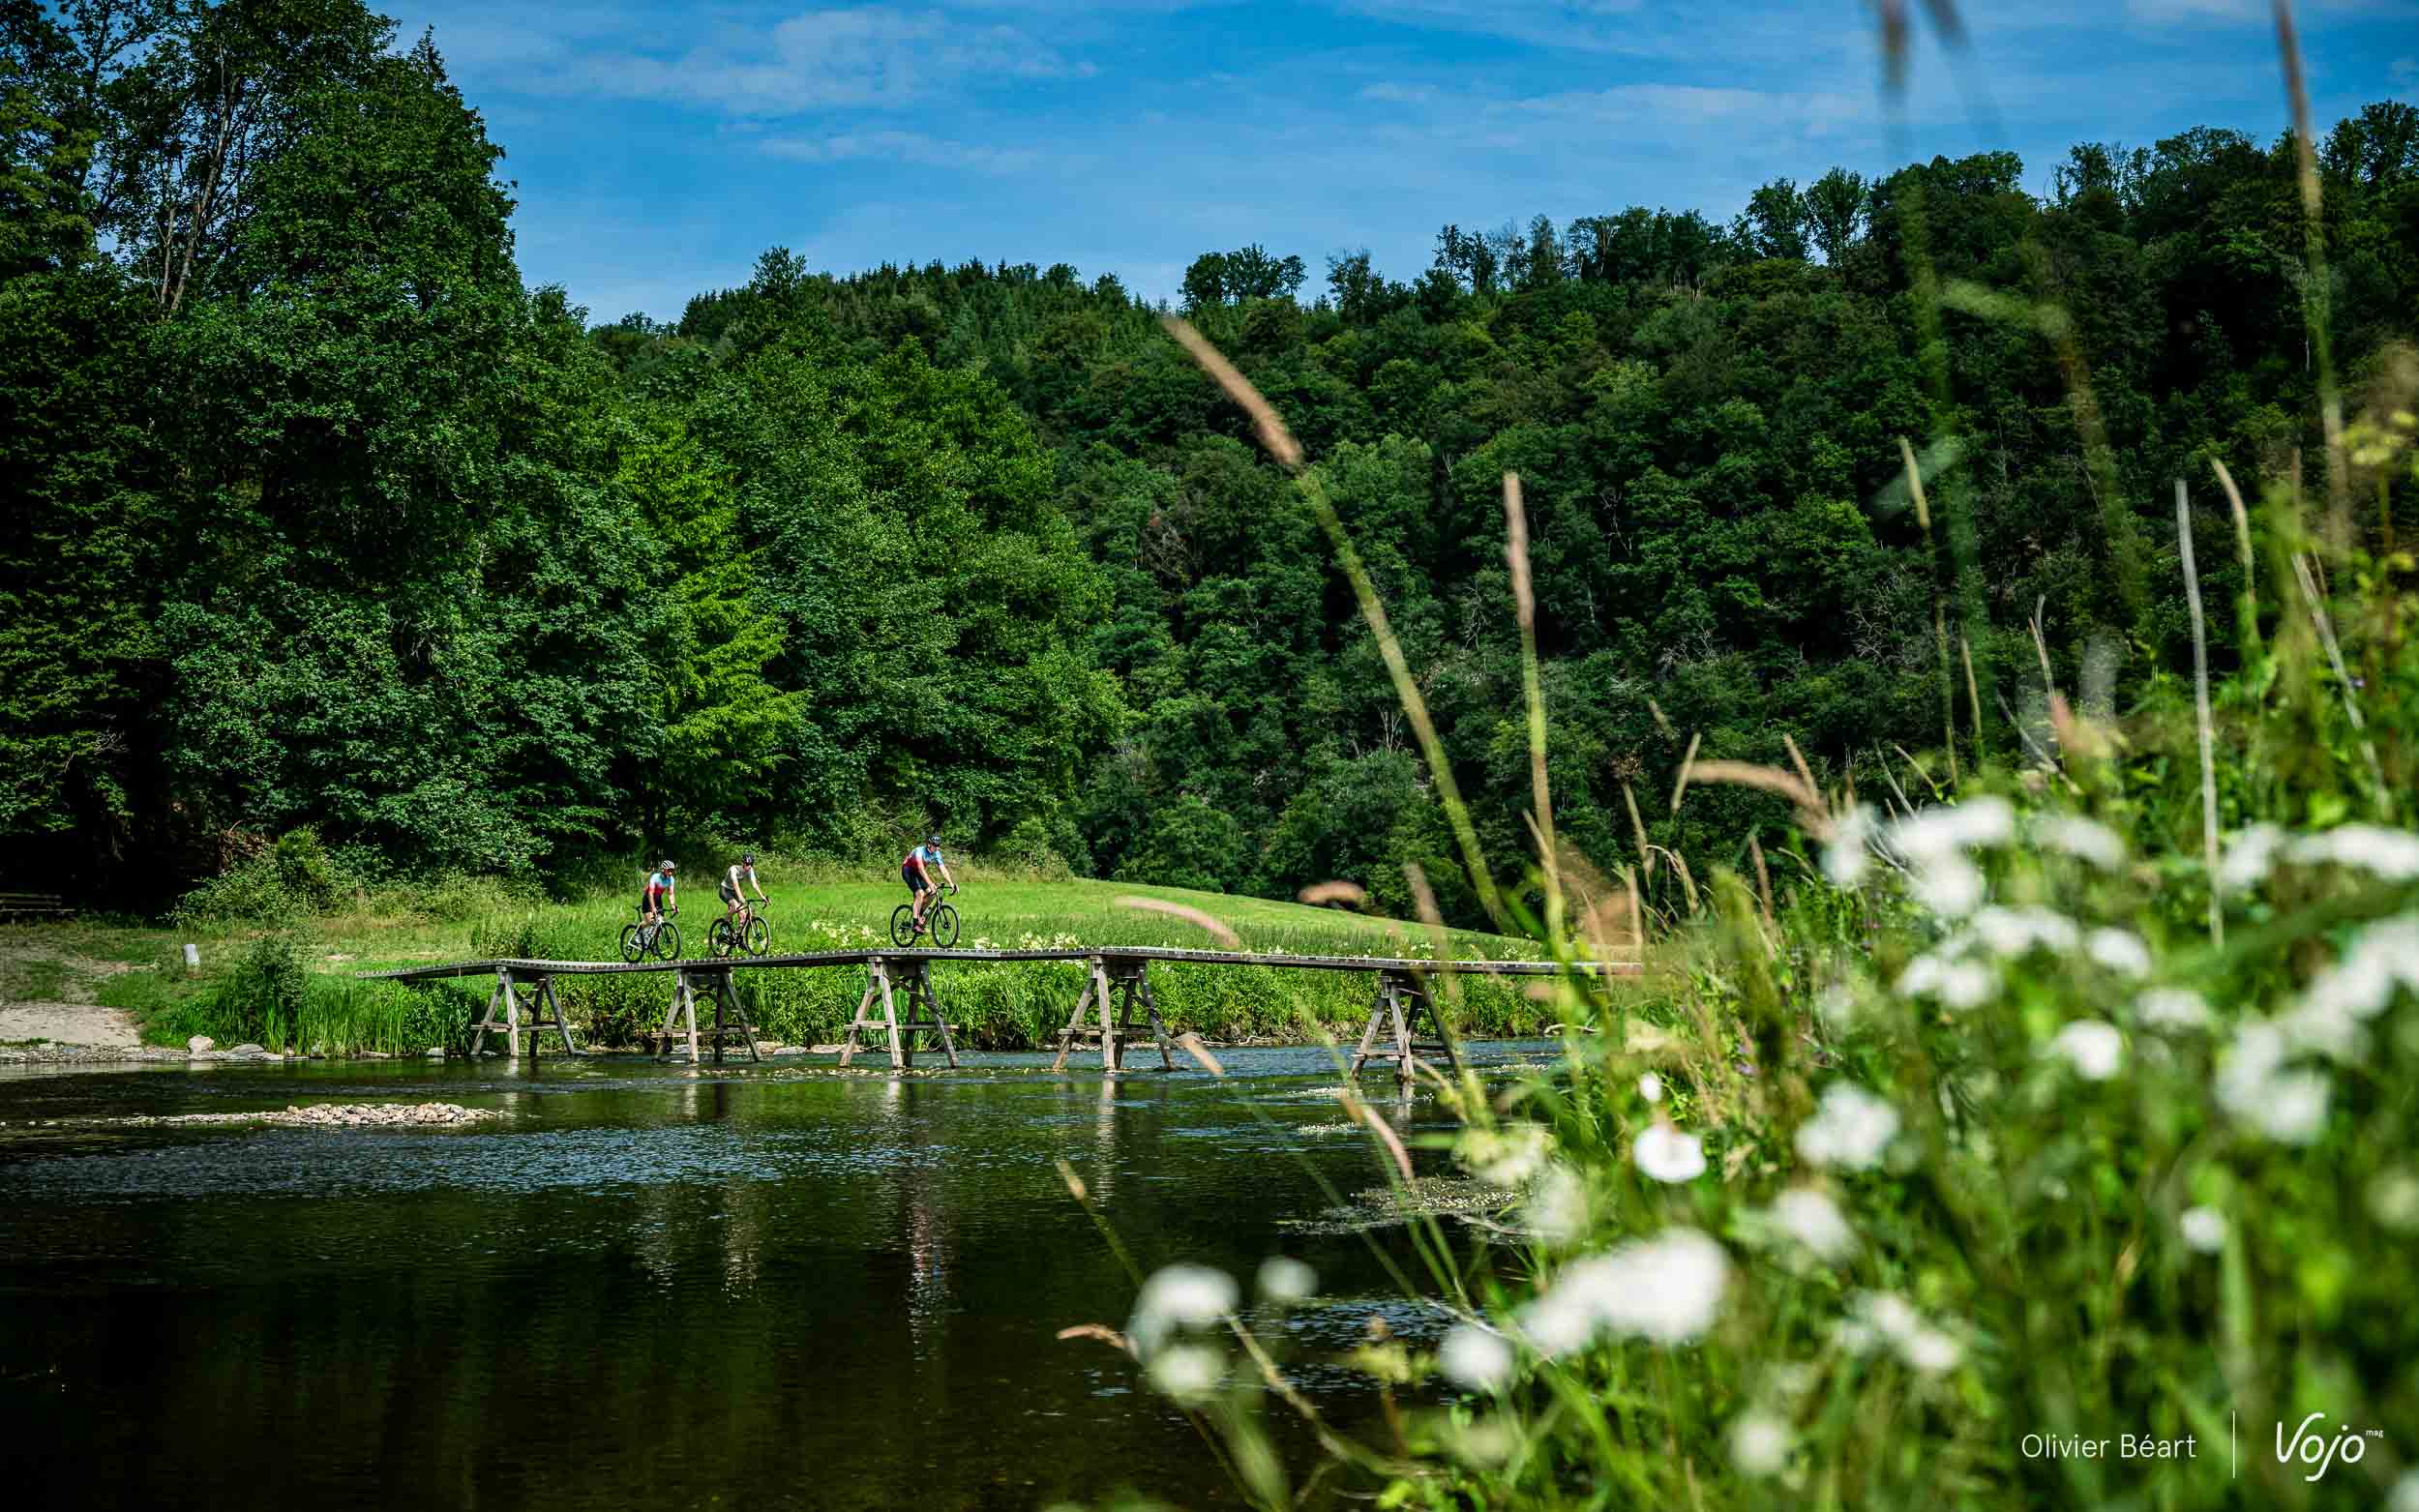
<point x="684" y="1005"/>
<point x="1074" y="1024"/>
<point x="1133" y="983"/>
<point x="503" y="1014"/>
<point x="864" y="1006"/>
<point x="730" y="1016"/>
<point x="1403" y="1003"/>
<point x="924" y="1015"/>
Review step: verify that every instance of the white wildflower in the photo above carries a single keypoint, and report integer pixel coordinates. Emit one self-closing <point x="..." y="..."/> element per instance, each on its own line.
<point x="1932" y="1352"/>
<point x="1284" y="1279"/>
<point x="2392" y="855"/>
<point x="1650" y="1087"/>
<point x="2296" y="1109"/>
<point x="2380" y="958"/>
<point x="2394" y="1200"/>
<point x="1877" y="1319"/>
<point x="1935" y="834"/>
<point x="1664" y="1289"/>
<point x="2252" y="1085"/>
<point x="2203" y="1228"/>
<point x="1668" y="1155"/>
<point x="2249" y="858"/>
<point x="1759" y="1443"/>
<point x="2092" y="1047"/>
<point x="2120" y="951"/>
<point x="1957" y="984"/>
<point x="1850" y="1127"/>
<point x="1836" y="1007"/>
<point x="1557" y="1209"/>
<point x="1505" y="1157"/>
<point x="1187" y="1373"/>
<point x="1844" y="859"/>
<point x="1179" y="1296"/>
<point x="1475" y="1358"/>
<point x="2170" y="1010"/>
<point x="2014" y="932"/>
<point x="1558" y="1323"/>
<point x="1815" y="1221"/>
<point x="2086" y="839"/>
<point x="1952" y="886"/>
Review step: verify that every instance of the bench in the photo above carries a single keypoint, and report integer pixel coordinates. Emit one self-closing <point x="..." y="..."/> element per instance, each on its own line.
<point x="34" y="908"/>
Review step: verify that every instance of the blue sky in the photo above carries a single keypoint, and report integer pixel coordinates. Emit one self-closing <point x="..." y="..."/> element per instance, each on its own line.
<point x="658" y="148"/>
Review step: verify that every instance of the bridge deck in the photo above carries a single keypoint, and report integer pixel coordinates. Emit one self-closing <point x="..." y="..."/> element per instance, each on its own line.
<point x="860" y="958"/>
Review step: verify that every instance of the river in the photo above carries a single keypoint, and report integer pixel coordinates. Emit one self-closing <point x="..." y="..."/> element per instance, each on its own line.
<point x="650" y="1287"/>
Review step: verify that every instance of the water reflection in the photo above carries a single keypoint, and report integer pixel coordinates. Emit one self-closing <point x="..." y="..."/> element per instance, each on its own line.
<point x="689" y="1272"/>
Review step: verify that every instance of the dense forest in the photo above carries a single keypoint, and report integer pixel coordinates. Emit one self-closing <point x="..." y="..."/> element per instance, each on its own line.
<point x="315" y="516"/>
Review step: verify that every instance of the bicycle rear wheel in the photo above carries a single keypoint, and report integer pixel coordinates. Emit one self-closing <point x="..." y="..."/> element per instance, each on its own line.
<point x="760" y="935"/>
<point x="945" y="926"/>
<point x="633" y="949"/>
<point x="903" y="925"/>
<point x="719" y="938"/>
<point x="667" y="942"/>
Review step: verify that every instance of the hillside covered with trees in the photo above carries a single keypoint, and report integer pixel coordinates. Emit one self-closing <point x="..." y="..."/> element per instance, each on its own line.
<point x="316" y="517"/>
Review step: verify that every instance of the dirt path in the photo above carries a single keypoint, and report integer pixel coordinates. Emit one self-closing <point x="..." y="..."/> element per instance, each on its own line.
<point x="64" y="1013"/>
<point x="68" y="1024"/>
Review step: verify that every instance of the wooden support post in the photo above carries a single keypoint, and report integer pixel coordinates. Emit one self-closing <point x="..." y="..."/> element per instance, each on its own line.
<point x="683" y="1001"/>
<point x="923" y="1011"/>
<point x="503" y="1014"/>
<point x="899" y="1056"/>
<point x="1403" y="1000"/>
<point x="864" y="1005"/>
<point x="1074" y="1026"/>
<point x="562" y="1024"/>
<point x="912" y="979"/>
<point x="1133" y="982"/>
<point x="1110" y="1052"/>
<point x="478" y="1030"/>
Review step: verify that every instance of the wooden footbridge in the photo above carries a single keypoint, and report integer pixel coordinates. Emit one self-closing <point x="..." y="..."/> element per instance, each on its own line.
<point x="1115" y="1008"/>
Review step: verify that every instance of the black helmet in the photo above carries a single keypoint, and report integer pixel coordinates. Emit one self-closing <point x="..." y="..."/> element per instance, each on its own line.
<point x="748" y="859"/>
<point x="933" y="838"/>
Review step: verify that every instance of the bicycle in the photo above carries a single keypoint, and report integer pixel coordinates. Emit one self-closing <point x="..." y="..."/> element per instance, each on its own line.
<point x="662" y="939"/>
<point x="754" y="936"/>
<point x="940" y="922"/>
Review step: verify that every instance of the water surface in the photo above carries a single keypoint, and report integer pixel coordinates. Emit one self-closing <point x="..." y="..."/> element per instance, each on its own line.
<point x="647" y="1285"/>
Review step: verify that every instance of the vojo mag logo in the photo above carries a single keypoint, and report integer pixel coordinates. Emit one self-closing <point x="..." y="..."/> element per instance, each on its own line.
<point x="2312" y="1443"/>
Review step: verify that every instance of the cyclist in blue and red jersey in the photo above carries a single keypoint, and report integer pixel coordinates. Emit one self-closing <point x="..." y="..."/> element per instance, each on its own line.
<point x="917" y="870"/>
<point x="659" y="894"/>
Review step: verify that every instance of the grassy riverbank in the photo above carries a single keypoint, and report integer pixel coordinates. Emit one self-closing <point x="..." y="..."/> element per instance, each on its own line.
<point x="293" y="984"/>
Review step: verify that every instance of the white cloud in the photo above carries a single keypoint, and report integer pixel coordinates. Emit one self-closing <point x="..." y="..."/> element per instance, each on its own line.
<point x="873" y="57"/>
<point x="1399" y="94"/>
<point x="901" y="147"/>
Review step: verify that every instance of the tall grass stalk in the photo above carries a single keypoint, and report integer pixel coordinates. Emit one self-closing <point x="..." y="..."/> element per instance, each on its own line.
<point x="2201" y="710"/>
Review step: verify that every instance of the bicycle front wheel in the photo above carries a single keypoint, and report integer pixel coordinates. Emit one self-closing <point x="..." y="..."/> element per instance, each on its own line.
<point x="760" y="936"/>
<point x="632" y="948"/>
<point x="945" y="926"/>
<point x="903" y="925"/>
<point x="667" y="942"/>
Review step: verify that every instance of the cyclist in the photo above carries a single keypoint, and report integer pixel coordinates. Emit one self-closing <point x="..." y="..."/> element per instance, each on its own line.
<point x="916" y="870"/>
<point x="735" y="903"/>
<point x="659" y="894"/>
